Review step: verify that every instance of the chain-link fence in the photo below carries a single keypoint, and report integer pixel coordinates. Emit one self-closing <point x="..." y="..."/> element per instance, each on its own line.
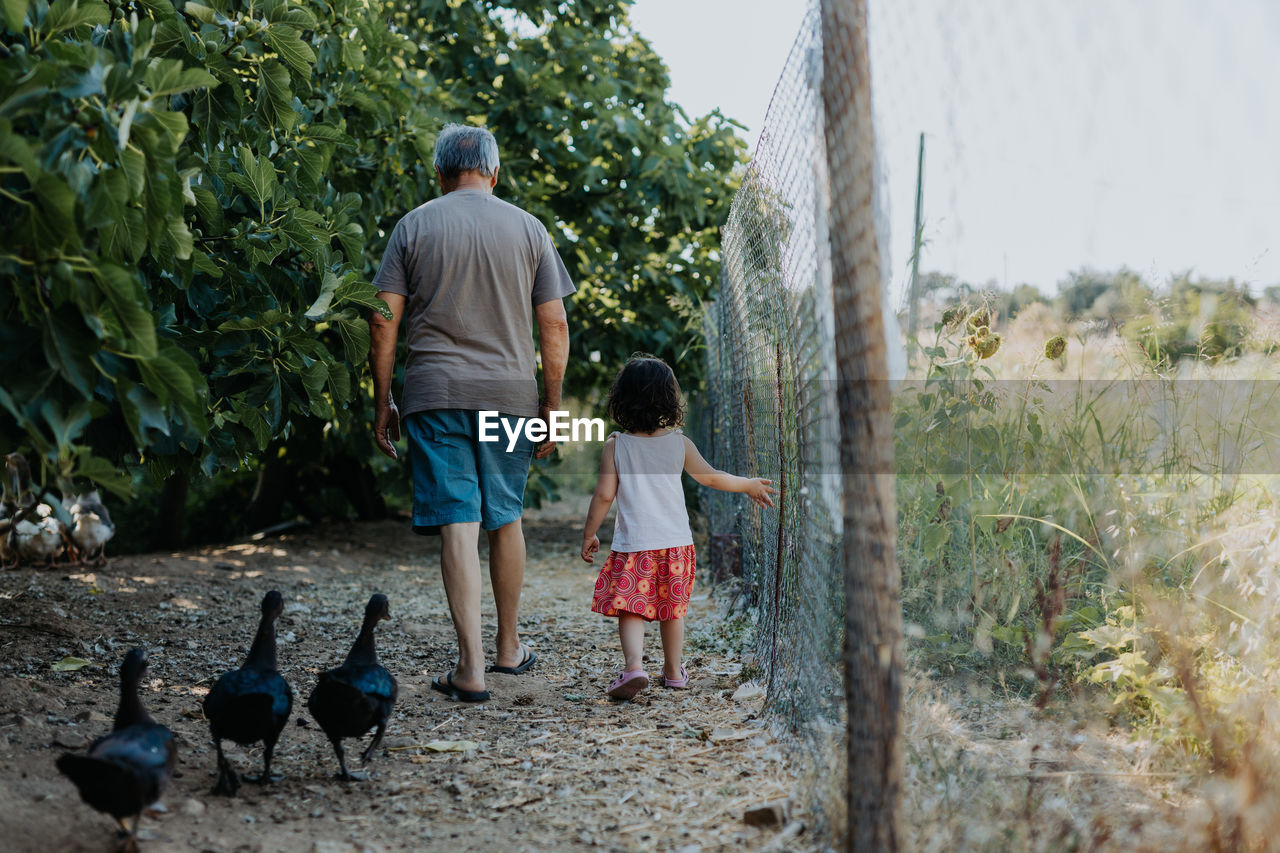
<point x="770" y="412"/>
<point x="1041" y="164"/>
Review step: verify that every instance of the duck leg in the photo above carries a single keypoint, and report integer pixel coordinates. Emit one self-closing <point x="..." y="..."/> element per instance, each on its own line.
<point x="228" y="779"/>
<point x="268" y="749"/>
<point x="128" y="841"/>
<point x="373" y="744"/>
<point x="346" y="775"/>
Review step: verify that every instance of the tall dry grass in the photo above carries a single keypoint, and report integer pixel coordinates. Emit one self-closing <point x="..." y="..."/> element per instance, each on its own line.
<point x="1097" y="540"/>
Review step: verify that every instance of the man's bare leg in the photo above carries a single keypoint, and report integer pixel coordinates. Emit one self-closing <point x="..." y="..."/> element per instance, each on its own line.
<point x="506" y="573"/>
<point x="460" y="569"/>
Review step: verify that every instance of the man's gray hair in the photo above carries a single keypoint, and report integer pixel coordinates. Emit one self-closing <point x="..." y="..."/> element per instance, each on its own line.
<point x="463" y="148"/>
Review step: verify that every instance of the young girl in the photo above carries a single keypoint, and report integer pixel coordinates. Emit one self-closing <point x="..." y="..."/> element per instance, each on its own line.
<point x="649" y="573"/>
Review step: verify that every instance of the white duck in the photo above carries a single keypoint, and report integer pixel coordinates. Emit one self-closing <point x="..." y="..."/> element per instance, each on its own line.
<point x="41" y="540"/>
<point x="91" y="527"/>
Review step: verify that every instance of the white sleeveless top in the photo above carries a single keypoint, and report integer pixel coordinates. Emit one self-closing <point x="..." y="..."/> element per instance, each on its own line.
<point x="651" y="512"/>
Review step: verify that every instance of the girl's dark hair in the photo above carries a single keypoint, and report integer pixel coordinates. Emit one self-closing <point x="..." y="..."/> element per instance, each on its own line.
<point x="645" y="396"/>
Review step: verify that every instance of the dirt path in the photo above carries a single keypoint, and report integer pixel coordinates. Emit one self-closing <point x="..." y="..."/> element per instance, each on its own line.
<point x="550" y="763"/>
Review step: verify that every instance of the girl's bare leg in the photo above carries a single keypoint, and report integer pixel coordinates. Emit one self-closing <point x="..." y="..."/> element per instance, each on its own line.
<point x="631" y="633"/>
<point x="672" y="647"/>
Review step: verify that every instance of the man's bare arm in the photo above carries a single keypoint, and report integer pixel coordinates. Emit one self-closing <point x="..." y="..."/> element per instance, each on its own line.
<point x="553" y="345"/>
<point x="382" y="362"/>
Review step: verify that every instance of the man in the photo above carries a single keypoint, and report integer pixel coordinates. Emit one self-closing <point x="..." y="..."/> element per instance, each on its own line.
<point x="470" y="273"/>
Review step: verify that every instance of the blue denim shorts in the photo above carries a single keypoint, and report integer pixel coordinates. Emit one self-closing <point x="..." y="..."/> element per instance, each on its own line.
<point x="457" y="477"/>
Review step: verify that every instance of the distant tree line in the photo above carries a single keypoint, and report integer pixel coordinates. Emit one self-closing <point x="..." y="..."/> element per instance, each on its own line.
<point x="1187" y="316"/>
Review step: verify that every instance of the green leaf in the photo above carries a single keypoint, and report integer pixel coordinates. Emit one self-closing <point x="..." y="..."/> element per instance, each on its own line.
<point x="265" y="320"/>
<point x="169" y="77"/>
<point x="131" y="305"/>
<point x="355" y="338"/>
<point x="256" y="423"/>
<point x="327" y="133"/>
<point x="126" y="122"/>
<point x="313" y="379"/>
<point x="306" y="239"/>
<point x="206" y="264"/>
<point x="142" y="412"/>
<point x="65" y="14"/>
<point x="69" y="349"/>
<point x="353" y="54"/>
<point x="126" y="239"/>
<point x="275" y="94"/>
<point x="170" y="129"/>
<point x="328" y="287"/>
<point x="201" y="13"/>
<point x="351" y="236"/>
<point x="179" y="238"/>
<point x="289" y="45"/>
<point x="165" y="379"/>
<point x="134" y="164"/>
<point x="360" y="292"/>
<point x="17" y="150"/>
<point x="161" y="10"/>
<point x="105" y="204"/>
<point x="56" y="211"/>
<point x="67" y="426"/>
<point x="70" y="664"/>
<point x="264" y="255"/>
<point x="311" y="163"/>
<point x="282" y="13"/>
<point x="933" y="540"/>
<point x="339" y="382"/>
<point x="11" y="406"/>
<point x="209" y="210"/>
<point x="102" y="472"/>
<point x="260" y="177"/>
<point x="15" y="13"/>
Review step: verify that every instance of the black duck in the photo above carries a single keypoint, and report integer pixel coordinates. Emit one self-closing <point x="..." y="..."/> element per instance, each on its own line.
<point x="125" y="771"/>
<point x="359" y="695"/>
<point x="252" y="703"/>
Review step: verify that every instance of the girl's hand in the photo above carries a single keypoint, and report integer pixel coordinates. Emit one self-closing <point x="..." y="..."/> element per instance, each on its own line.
<point x="759" y="489"/>
<point x="590" y="544"/>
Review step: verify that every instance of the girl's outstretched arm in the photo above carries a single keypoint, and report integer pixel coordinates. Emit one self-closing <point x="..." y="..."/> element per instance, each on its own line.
<point x="756" y="488"/>
<point x="601" y="500"/>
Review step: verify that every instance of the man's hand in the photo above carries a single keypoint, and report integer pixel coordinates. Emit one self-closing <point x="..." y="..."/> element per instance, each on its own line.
<point x="386" y="426"/>
<point x="382" y="358"/>
<point x="590" y="544"/>
<point x="546" y="448"/>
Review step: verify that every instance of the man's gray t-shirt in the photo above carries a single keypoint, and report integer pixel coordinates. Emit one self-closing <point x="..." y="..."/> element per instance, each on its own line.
<point x="471" y="268"/>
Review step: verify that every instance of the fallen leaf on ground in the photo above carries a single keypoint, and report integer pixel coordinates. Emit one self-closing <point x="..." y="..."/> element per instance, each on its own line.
<point x="723" y="733"/>
<point x="451" y="745"/>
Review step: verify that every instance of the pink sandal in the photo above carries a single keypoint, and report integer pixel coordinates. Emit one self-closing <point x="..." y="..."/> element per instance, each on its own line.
<point x="681" y="683"/>
<point x="628" y="684"/>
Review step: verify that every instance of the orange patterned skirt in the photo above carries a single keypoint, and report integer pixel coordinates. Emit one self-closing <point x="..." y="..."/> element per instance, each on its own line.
<point x="654" y="585"/>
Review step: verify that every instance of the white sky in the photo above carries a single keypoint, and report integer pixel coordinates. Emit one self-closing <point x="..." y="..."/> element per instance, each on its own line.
<point x="1059" y="134"/>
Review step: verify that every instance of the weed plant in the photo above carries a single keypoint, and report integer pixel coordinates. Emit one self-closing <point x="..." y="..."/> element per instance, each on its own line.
<point x="1075" y="516"/>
